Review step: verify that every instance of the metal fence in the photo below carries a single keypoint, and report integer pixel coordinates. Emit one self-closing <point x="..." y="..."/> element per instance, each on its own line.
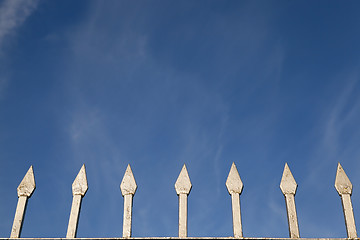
<point x="183" y="186"/>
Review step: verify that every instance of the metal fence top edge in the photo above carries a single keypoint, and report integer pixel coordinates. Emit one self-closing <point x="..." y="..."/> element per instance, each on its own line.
<point x="191" y="238"/>
<point x="183" y="186"/>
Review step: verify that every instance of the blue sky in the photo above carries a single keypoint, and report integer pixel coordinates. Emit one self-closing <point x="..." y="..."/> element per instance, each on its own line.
<point x="161" y="83"/>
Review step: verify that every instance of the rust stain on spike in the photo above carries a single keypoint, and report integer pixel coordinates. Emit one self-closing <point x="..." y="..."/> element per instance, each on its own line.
<point x="183" y="183"/>
<point x="342" y="182"/>
<point x="27" y="185"/>
<point x="233" y="182"/>
<point x="128" y="183"/>
<point x="80" y="185"/>
<point x="288" y="184"/>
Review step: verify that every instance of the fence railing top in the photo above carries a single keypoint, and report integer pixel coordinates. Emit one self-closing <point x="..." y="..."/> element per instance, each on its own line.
<point x="188" y="238"/>
<point x="342" y="182"/>
<point x="233" y="181"/>
<point x="183" y="183"/>
<point x="183" y="187"/>
<point x="128" y="184"/>
<point x="27" y="185"/>
<point x="288" y="184"/>
<point x="80" y="185"/>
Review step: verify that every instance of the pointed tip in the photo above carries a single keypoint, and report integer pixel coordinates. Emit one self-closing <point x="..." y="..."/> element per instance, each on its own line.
<point x="80" y="185"/>
<point x="288" y="184"/>
<point x="27" y="185"/>
<point x="128" y="183"/>
<point x="342" y="182"/>
<point x="233" y="181"/>
<point x="183" y="183"/>
<point x="184" y="168"/>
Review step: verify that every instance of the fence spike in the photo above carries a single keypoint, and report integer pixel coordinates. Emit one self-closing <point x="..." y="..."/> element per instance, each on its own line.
<point x="24" y="191"/>
<point x="288" y="187"/>
<point x="79" y="188"/>
<point x="128" y="188"/>
<point x="344" y="188"/>
<point x="235" y="186"/>
<point x="183" y="188"/>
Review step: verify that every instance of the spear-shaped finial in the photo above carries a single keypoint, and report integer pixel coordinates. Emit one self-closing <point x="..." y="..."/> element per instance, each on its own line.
<point x="183" y="187"/>
<point x="288" y="187"/>
<point x="24" y="190"/>
<point x="79" y="188"/>
<point x="80" y="185"/>
<point x="128" y="188"/>
<point x="344" y="188"/>
<point x="234" y="186"/>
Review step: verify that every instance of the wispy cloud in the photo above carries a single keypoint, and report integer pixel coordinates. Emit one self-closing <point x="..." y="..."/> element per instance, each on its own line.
<point x="13" y="13"/>
<point x="339" y="120"/>
<point x="337" y="140"/>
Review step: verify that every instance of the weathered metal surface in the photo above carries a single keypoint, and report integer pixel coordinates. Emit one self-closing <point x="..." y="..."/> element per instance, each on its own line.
<point x="233" y="181"/>
<point x="27" y="185"/>
<point x="128" y="188"/>
<point x="288" y="187"/>
<point x="79" y="188"/>
<point x="344" y="188"/>
<point x="183" y="183"/>
<point x="80" y="184"/>
<point x="24" y="190"/>
<point x="288" y="184"/>
<point x="235" y="186"/>
<point x="128" y="184"/>
<point x="183" y="187"/>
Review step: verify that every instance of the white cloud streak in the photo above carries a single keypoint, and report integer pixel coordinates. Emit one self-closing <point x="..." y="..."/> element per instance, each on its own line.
<point x="337" y="141"/>
<point x="337" y="120"/>
<point x="13" y="13"/>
